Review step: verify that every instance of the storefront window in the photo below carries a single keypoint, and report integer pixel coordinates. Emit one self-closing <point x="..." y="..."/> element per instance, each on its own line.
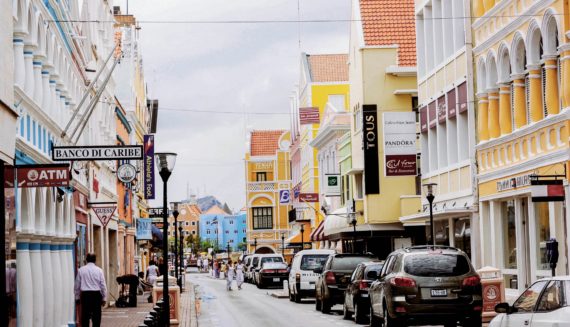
<point x="542" y="215"/>
<point x="442" y="232"/>
<point x="463" y="235"/>
<point x="10" y="207"/>
<point x="509" y="235"/>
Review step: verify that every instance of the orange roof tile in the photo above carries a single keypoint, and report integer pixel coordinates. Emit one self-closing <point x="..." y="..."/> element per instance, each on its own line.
<point x="388" y="22"/>
<point x="328" y="67"/>
<point x="265" y="143"/>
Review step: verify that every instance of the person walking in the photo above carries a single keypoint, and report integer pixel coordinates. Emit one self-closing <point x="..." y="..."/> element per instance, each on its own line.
<point x="206" y="265"/>
<point x="90" y="291"/>
<point x="239" y="274"/>
<point x="216" y="269"/>
<point x="230" y="274"/>
<point x="152" y="272"/>
<point x="199" y="264"/>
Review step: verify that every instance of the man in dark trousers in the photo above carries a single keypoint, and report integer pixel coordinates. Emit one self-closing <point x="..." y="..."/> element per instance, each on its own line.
<point x="90" y="291"/>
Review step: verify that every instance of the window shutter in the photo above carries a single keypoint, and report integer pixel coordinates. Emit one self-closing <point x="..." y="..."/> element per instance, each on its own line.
<point x="512" y="86"/>
<point x="527" y="93"/>
<point x="543" y="80"/>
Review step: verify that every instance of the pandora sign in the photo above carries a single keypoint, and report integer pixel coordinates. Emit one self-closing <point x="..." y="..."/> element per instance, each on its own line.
<point x="400" y="148"/>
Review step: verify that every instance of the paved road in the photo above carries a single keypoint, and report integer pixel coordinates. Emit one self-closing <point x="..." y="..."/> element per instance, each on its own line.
<point x="254" y="307"/>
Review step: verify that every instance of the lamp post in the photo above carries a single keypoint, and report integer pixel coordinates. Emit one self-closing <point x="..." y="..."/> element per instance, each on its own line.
<point x="353" y="223"/>
<point x="254" y="244"/>
<point x="429" y="189"/>
<point x="228" y="249"/>
<point x="165" y="164"/>
<point x="180" y="244"/>
<point x="302" y="237"/>
<point x="175" y="213"/>
<point x="283" y="244"/>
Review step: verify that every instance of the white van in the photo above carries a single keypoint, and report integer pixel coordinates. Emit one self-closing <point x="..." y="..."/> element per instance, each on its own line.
<point x="302" y="279"/>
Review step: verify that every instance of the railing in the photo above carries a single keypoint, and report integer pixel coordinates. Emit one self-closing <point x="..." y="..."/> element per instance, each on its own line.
<point x="261" y="187"/>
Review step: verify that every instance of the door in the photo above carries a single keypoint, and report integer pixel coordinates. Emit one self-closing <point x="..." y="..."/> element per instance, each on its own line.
<point x="525" y="274"/>
<point x="524" y="306"/>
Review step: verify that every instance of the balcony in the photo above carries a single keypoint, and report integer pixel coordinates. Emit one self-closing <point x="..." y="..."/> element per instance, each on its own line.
<point x="262" y="187"/>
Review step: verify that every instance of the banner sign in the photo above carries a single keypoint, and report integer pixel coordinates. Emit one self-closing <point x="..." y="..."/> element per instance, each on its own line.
<point x="309" y="197"/>
<point x="547" y="190"/>
<point x="400" y="149"/>
<point x="82" y="153"/>
<point x="148" y="167"/>
<point x="284" y="196"/>
<point x="56" y="175"/>
<point x="332" y="186"/>
<point x="104" y="213"/>
<point x="370" y="147"/>
<point x="309" y="115"/>
<point x="144" y="229"/>
<point x="156" y="212"/>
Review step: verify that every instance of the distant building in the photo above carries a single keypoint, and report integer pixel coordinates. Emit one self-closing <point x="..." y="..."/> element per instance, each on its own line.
<point x="221" y="229"/>
<point x="188" y="219"/>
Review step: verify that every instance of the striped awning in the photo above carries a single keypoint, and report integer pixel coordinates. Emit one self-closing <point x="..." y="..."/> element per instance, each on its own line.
<point x="317" y="234"/>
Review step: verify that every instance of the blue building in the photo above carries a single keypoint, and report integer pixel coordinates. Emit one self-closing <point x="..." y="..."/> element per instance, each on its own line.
<point x="221" y="229"/>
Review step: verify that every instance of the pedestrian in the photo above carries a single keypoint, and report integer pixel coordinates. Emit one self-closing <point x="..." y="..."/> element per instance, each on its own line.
<point x="206" y="265"/>
<point x="230" y="274"/>
<point x="152" y="272"/>
<point x="239" y="274"/>
<point x="90" y="291"/>
<point x="161" y="267"/>
<point x="224" y="268"/>
<point x="216" y="269"/>
<point x="199" y="264"/>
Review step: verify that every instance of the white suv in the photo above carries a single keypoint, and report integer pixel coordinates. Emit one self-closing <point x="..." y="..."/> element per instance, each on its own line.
<point x="302" y="279"/>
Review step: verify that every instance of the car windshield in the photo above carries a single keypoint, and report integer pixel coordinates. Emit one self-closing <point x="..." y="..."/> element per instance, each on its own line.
<point x="274" y="265"/>
<point x="313" y="261"/>
<point x="436" y="264"/>
<point x="348" y="263"/>
<point x="377" y="267"/>
<point x="271" y="259"/>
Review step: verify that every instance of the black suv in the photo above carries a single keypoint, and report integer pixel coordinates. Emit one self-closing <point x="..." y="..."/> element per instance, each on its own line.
<point x="334" y="277"/>
<point x="426" y="285"/>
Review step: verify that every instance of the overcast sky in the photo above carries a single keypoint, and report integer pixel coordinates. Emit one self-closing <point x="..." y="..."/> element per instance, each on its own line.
<point x="226" y="67"/>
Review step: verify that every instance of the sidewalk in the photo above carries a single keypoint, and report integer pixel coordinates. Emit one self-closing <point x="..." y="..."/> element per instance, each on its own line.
<point x="133" y="317"/>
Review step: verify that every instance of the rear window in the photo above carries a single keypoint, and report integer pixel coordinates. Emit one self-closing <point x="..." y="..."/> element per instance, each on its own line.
<point x="347" y="263"/>
<point x="441" y="265"/>
<point x="313" y="261"/>
<point x="377" y="267"/>
<point x="271" y="259"/>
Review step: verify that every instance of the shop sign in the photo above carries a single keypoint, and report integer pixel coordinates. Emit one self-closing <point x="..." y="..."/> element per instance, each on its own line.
<point x="332" y="186"/>
<point x="56" y="175"/>
<point x="513" y="183"/>
<point x="82" y="153"/>
<point x="148" y="166"/>
<point x="370" y="146"/>
<point x="126" y="173"/>
<point x="155" y="212"/>
<point x="104" y="213"/>
<point x="144" y="229"/>
<point x="400" y="148"/>
<point x="268" y="165"/>
<point x="309" y="197"/>
<point x="547" y="190"/>
<point x="284" y="197"/>
<point x="309" y="115"/>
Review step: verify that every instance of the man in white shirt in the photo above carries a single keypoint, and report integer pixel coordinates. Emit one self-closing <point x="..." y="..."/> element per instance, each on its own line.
<point x="90" y="291"/>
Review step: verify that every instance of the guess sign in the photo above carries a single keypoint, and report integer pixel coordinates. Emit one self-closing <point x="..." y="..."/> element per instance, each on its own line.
<point x="104" y="214"/>
<point x="37" y="176"/>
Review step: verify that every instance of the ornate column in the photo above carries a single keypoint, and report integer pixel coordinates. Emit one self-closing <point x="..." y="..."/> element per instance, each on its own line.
<point x="535" y="93"/>
<point x="29" y="70"/>
<point x="52" y="97"/>
<point x="46" y="92"/>
<point x="57" y="265"/>
<point x="565" y="80"/>
<point x="23" y="260"/>
<point x="505" y="118"/>
<point x="552" y="96"/>
<point x="483" y="117"/>
<point x="38" y="85"/>
<point x="519" y="100"/>
<point x="48" y="283"/>
<point x="494" y="129"/>
<point x="37" y="281"/>
<point x="19" y="65"/>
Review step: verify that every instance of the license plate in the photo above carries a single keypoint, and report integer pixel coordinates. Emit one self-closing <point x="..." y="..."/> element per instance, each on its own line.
<point x="438" y="293"/>
<point x="311" y="283"/>
<point x="276" y="279"/>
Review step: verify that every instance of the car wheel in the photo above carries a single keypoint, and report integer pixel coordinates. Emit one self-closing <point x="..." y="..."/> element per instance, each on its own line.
<point x="317" y="304"/>
<point x="290" y="296"/>
<point x="450" y="324"/>
<point x="389" y="321"/>
<point x="297" y="296"/>
<point x="358" y="314"/>
<point x="325" y="306"/>
<point x="345" y="313"/>
<point x="374" y="321"/>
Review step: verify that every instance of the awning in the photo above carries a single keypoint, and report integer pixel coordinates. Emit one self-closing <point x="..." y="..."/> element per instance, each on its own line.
<point x="335" y="222"/>
<point x="422" y="219"/>
<point x="295" y="236"/>
<point x="317" y="234"/>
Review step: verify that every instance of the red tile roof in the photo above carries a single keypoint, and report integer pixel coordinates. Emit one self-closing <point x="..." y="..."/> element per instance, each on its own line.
<point x="265" y="143"/>
<point x="389" y="22"/>
<point x="328" y="67"/>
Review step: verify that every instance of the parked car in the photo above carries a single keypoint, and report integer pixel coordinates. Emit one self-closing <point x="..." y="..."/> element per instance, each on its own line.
<point x="253" y="260"/>
<point x="544" y="303"/>
<point x="356" y="300"/>
<point x="262" y="259"/>
<point x="246" y="262"/>
<point x="302" y="278"/>
<point x="334" y="277"/>
<point x="427" y="285"/>
<point x="272" y="273"/>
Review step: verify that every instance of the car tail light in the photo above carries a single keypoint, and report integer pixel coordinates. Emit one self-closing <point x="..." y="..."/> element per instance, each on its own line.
<point x="471" y="281"/>
<point x="363" y="285"/>
<point x="297" y="277"/>
<point x="403" y="282"/>
<point x="268" y="271"/>
<point x="400" y="309"/>
<point x="330" y="278"/>
<point x="477" y="308"/>
<point x="282" y="271"/>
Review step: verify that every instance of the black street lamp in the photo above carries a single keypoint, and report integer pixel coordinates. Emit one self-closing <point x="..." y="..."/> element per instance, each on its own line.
<point x="430" y="190"/>
<point x="180" y="244"/>
<point x="229" y="250"/>
<point x="254" y="244"/>
<point x="175" y="213"/>
<point x="302" y="237"/>
<point x="283" y="244"/>
<point x="165" y="163"/>
<point x="353" y="223"/>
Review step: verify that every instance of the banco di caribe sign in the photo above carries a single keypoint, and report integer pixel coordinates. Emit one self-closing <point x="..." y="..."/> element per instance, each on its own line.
<point x="79" y="153"/>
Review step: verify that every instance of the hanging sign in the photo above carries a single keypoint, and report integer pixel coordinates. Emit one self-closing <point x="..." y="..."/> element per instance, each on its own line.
<point x="144" y="229"/>
<point x="284" y="197"/>
<point x="56" y="175"/>
<point x="332" y="186"/>
<point x="126" y="173"/>
<point x="148" y="167"/>
<point x="309" y="197"/>
<point x="79" y="153"/>
<point x="400" y="149"/>
<point x="104" y="213"/>
<point x="309" y="115"/>
<point x="370" y="147"/>
<point x="155" y="212"/>
<point x="547" y="190"/>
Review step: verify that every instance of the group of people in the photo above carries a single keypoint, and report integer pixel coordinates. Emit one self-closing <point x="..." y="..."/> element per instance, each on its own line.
<point x="203" y="264"/>
<point x="233" y="270"/>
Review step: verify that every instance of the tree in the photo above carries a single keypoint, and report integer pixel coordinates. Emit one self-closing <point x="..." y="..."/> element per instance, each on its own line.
<point x="242" y="246"/>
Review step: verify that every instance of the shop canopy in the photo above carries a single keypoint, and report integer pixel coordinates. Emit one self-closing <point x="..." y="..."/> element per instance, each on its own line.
<point x="318" y="233"/>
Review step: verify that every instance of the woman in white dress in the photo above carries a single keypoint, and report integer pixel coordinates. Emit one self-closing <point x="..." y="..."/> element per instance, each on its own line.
<point x="230" y="274"/>
<point x="152" y="273"/>
<point x="239" y="274"/>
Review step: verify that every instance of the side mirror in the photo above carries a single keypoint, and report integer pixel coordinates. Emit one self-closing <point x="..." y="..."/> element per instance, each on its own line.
<point x="372" y="275"/>
<point x="318" y="270"/>
<point x="503" y="308"/>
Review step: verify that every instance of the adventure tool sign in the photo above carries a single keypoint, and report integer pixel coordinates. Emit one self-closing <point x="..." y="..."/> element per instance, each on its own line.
<point x="104" y="211"/>
<point x="37" y="176"/>
<point x="78" y="153"/>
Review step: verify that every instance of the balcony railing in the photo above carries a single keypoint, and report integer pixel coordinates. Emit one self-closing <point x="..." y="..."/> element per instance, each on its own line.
<point x="262" y="187"/>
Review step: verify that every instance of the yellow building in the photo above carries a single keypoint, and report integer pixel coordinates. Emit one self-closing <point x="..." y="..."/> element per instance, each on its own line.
<point x="268" y="183"/>
<point x="523" y="93"/>
<point x="323" y="80"/>
<point x="383" y="88"/>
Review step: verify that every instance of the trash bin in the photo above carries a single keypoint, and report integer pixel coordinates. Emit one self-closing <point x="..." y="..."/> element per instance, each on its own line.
<point x="128" y="296"/>
<point x="173" y="295"/>
<point x="493" y="286"/>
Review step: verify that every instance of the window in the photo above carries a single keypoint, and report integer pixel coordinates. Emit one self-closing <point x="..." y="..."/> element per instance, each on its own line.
<point x="527" y="301"/>
<point x="207" y="231"/>
<point x="337" y="101"/>
<point x="244" y="231"/>
<point x="261" y="177"/>
<point x="542" y="216"/>
<point x="231" y="222"/>
<point x="442" y="265"/>
<point x="193" y="223"/>
<point x="263" y="218"/>
<point x="552" y="297"/>
<point x="193" y="232"/>
<point x="235" y="231"/>
<point x="186" y="223"/>
<point x="227" y="232"/>
<point x="313" y="261"/>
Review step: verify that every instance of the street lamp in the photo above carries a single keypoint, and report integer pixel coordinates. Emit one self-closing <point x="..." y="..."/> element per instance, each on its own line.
<point x="302" y="237"/>
<point x="430" y="189"/>
<point x="283" y="244"/>
<point x="228" y="248"/>
<point x="165" y="163"/>
<point x="353" y="223"/>
<point x="180" y="244"/>
<point x="254" y="244"/>
<point x="175" y="213"/>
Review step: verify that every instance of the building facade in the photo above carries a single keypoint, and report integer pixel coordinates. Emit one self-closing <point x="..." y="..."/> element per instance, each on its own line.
<point x="447" y="123"/>
<point x="523" y="95"/>
<point x="268" y="187"/>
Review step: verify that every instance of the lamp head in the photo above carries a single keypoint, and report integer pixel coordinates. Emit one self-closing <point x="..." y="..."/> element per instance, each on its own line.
<point x="165" y="162"/>
<point x="430" y="189"/>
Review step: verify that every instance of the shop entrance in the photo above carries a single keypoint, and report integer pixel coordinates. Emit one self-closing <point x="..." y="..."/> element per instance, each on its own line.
<point x="516" y="249"/>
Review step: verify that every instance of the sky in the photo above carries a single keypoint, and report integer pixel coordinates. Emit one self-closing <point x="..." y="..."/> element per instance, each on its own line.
<point x="249" y="70"/>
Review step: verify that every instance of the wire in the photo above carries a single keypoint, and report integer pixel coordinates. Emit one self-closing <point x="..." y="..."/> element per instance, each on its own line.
<point x="209" y="111"/>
